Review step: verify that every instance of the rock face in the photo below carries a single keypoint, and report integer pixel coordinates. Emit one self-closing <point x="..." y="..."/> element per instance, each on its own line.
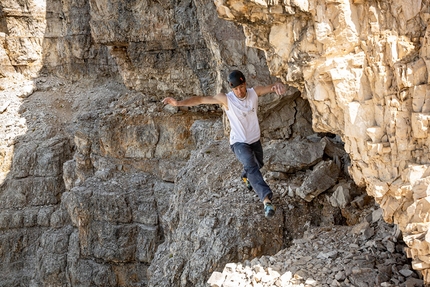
<point x="100" y="185"/>
<point x="363" y="66"/>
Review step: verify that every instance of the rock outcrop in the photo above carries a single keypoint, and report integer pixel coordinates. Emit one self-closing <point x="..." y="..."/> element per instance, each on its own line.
<point x="101" y="185"/>
<point x="363" y="67"/>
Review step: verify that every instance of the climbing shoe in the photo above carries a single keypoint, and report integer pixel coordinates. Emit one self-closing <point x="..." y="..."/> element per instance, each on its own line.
<point x="247" y="183"/>
<point x="269" y="209"/>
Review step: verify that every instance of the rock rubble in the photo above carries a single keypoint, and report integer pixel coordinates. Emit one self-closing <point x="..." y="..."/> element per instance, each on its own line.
<point x="368" y="254"/>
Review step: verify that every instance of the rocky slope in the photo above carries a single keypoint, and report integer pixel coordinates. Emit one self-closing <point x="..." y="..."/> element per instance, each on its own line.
<point x="365" y="255"/>
<point x="101" y="185"/>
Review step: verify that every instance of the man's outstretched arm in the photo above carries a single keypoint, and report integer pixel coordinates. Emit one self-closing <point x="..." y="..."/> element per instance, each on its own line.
<point x="277" y="88"/>
<point x="197" y="100"/>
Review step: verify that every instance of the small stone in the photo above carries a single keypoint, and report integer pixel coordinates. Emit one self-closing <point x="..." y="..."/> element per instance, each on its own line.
<point x="273" y="273"/>
<point x="290" y="192"/>
<point x="286" y="277"/>
<point x="311" y="282"/>
<point x="368" y="232"/>
<point x="377" y="215"/>
<point x="413" y="282"/>
<point x="171" y="109"/>
<point x="340" y="276"/>
<point x="359" y="228"/>
<point x="391" y="246"/>
<point x="406" y="272"/>
<point x="4" y="106"/>
<point x="229" y="268"/>
<point x="27" y="89"/>
<point x="331" y="254"/>
<point x="216" y="279"/>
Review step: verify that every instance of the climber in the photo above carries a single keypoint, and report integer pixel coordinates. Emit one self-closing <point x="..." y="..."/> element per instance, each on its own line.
<point x="241" y="105"/>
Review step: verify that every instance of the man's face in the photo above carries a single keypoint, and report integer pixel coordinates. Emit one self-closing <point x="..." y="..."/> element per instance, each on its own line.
<point x="240" y="91"/>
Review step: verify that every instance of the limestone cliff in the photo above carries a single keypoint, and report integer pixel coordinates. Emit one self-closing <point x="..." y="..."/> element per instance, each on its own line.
<point x="363" y="66"/>
<point x="100" y="185"/>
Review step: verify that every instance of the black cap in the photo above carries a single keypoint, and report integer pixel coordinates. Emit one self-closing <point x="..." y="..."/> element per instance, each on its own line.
<point x="236" y="78"/>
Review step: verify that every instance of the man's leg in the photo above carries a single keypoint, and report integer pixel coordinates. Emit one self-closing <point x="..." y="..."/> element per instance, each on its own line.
<point x="258" y="153"/>
<point x="246" y="156"/>
<point x="269" y="208"/>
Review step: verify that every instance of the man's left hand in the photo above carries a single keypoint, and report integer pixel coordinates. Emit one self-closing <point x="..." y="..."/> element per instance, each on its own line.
<point x="278" y="88"/>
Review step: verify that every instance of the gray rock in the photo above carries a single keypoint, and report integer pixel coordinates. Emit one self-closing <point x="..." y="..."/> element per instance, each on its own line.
<point x="323" y="176"/>
<point x="341" y="196"/>
<point x="291" y="157"/>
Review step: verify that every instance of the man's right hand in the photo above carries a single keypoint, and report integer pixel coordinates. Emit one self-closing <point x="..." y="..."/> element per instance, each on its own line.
<point x="170" y="101"/>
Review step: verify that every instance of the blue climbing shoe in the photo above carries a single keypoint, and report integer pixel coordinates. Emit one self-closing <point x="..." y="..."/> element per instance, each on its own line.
<point x="269" y="210"/>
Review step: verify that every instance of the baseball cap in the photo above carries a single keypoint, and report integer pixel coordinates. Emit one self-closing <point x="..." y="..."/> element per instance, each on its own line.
<point x="236" y="78"/>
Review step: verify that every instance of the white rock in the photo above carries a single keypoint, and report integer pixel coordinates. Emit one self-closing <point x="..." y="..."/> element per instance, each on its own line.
<point x="216" y="279"/>
<point x="4" y="106"/>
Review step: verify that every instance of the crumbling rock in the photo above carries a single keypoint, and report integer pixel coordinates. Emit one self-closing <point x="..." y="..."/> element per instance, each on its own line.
<point x="100" y="185"/>
<point x="334" y="256"/>
<point x="290" y="157"/>
<point x="323" y="176"/>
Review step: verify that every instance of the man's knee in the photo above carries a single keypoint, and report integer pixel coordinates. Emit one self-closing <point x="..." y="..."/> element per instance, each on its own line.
<point x="251" y="167"/>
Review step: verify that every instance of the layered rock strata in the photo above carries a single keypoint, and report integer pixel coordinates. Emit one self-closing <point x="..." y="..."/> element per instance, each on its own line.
<point x="363" y="67"/>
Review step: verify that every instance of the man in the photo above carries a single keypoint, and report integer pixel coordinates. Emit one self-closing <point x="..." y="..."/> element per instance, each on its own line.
<point x="241" y="106"/>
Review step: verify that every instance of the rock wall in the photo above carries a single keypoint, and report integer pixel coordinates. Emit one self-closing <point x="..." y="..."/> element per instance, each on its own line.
<point x="100" y="185"/>
<point x="363" y="66"/>
<point x="88" y="159"/>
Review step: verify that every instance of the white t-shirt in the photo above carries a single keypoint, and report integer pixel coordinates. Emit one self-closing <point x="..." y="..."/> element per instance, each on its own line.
<point x="242" y="114"/>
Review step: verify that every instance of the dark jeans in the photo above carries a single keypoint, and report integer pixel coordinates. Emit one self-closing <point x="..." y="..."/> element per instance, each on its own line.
<point x="251" y="157"/>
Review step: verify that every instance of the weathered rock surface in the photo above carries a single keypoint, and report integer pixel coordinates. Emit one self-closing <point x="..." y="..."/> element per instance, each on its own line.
<point x="363" y="66"/>
<point x="86" y="214"/>
<point x="100" y="185"/>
